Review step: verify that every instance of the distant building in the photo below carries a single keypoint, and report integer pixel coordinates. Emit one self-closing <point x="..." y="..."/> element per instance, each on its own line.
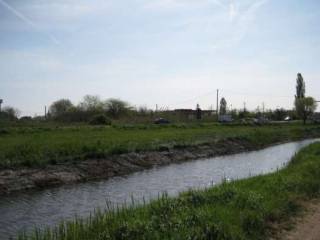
<point x="226" y="118"/>
<point x="192" y="114"/>
<point x="187" y="113"/>
<point x="208" y="112"/>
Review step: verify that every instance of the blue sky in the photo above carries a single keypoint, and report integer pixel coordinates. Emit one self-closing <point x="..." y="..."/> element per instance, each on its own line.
<point x="174" y="53"/>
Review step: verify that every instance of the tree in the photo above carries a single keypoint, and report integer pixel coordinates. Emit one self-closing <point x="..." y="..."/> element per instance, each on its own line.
<point x="117" y="107"/>
<point x="143" y="110"/>
<point x="300" y="88"/>
<point x="60" y="107"/>
<point x="305" y="107"/>
<point x="91" y="103"/>
<point x="199" y="112"/>
<point x="10" y="113"/>
<point x="223" y="107"/>
<point x="279" y="114"/>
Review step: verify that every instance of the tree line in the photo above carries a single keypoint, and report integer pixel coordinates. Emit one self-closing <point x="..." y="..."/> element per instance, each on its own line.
<point x="95" y="110"/>
<point x="90" y="108"/>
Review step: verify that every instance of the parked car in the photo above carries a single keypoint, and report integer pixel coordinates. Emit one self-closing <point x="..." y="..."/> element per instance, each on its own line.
<point x="161" y="121"/>
<point x="287" y="119"/>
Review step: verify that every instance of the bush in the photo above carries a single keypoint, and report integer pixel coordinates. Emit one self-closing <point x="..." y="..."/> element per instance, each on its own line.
<point x="100" y="120"/>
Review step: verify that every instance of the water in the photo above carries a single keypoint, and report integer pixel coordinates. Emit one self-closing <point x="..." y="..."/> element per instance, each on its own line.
<point x="48" y="207"/>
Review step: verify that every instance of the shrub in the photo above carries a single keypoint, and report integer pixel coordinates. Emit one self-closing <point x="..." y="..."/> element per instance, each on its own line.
<point x="100" y="120"/>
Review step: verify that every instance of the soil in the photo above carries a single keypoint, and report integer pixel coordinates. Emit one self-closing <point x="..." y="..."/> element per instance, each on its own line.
<point x="304" y="226"/>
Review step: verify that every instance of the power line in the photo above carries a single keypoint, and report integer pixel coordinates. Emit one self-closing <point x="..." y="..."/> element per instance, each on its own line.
<point x="255" y="94"/>
<point x="246" y="94"/>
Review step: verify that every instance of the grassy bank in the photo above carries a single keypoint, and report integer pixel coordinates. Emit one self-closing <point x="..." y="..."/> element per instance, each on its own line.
<point x="39" y="146"/>
<point x="243" y="209"/>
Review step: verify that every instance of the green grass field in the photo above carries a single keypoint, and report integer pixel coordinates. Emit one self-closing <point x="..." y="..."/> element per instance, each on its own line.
<point x="42" y="145"/>
<point x="241" y="210"/>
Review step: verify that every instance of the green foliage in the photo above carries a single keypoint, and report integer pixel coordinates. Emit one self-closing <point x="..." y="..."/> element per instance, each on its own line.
<point x="240" y="210"/>
<point x="91" y="104"/>
<point x="300" y="87"/>
<point x="223" y="106"/>
<point x="305" y="107"/>
<point x="60" y="107"/>
<point x="9" y="114"/>
<point x="117" y="107"/>
<point x="100" y="120"/>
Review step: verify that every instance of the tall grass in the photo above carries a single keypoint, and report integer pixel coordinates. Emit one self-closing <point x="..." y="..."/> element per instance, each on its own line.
<point x="39" y="146"/>
<point x="243" y="210"/>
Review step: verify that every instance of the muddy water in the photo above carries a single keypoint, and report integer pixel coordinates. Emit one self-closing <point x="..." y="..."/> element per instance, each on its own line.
<point x="20" y="212"/>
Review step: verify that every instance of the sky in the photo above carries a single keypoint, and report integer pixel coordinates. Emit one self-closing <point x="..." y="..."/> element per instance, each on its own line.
<point x="174" y="53"/>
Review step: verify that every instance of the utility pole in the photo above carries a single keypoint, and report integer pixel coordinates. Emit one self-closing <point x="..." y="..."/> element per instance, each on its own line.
<point x="244" y="106"/>
<point x="217" y="104"/>
<point x="156" y="107"/>
<point x="45" y="112"/>
<point x="1" y="101"/>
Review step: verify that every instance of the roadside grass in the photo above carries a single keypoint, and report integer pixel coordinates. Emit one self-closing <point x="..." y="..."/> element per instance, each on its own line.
<point x="43" y="145"/>
<point x="244" y="209"/>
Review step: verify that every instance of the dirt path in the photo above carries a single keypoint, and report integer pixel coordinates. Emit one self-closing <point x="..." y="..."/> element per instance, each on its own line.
<point x="307" y="226"/>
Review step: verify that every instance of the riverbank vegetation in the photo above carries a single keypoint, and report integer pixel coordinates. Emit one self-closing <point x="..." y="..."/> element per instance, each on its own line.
<point x="37" y="146"/>
<point x="245" y="209"/>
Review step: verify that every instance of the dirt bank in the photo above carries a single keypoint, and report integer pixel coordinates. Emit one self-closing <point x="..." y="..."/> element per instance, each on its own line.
<point x="13" y="180"/>
<point x="305" y="226"/>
